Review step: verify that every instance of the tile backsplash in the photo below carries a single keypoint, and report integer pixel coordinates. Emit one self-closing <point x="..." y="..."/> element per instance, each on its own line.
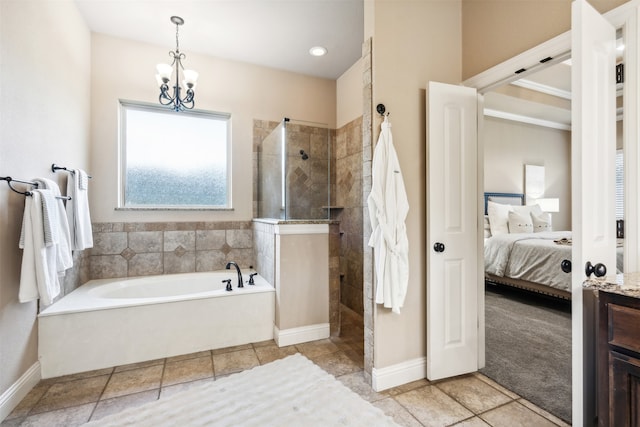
<point x="143" y="249"/>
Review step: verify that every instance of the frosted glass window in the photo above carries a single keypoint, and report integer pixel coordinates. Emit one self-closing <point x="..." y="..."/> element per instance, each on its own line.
<point x="174" y="159"/>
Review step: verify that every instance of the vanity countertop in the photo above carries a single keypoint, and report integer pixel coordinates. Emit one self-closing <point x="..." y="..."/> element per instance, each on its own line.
<point x="627" y="284"/>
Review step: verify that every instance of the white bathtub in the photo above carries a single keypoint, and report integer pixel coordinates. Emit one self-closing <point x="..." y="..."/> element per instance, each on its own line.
<point x="113" y="322"/>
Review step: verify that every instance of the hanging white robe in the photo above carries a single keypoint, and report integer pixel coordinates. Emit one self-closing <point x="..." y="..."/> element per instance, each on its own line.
<point x="388" y="208"/>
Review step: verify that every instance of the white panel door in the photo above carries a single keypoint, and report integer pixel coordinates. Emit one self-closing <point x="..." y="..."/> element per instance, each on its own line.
<point x="452" y="273"/>
<point x="593" y="175"/>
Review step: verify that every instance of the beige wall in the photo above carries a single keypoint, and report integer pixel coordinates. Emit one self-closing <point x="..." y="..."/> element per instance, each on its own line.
<point x="123" y="69"/>
<point x="349" y="95"/>
<point x="496" y="30"/>
<point x="44" y="119"/>
<point x="509" y="145"/>
<point x="408" y="37"/>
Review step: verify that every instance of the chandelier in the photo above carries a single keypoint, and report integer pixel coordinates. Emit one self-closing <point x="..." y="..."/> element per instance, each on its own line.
<point x="176" y="100"/>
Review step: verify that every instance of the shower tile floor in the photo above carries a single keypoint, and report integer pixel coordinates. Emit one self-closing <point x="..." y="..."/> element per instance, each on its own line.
<point x="468" y="400"/>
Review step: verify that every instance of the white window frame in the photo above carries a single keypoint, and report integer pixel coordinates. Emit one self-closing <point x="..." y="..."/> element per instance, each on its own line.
<point x="124" y="105"/>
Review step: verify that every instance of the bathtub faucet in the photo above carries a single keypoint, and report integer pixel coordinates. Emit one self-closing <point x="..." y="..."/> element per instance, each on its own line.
<point x="228" y="267"/>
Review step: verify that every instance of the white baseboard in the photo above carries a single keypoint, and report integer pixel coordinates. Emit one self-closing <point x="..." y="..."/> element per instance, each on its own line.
<point x="402" y="373"/>
<point x="18" y="390"/>
<point x="299" y="335"/>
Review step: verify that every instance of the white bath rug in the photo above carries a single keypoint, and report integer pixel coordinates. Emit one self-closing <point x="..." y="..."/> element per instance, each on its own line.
<point x="288" y="392"/>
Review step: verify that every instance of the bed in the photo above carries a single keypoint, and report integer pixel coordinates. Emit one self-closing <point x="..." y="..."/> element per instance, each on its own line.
<point x="522" y="250"/>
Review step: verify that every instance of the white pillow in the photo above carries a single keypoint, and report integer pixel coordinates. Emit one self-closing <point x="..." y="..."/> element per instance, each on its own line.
<point x="487" y="227"/>
<point x="526" y="210"/>
<point x="498" y="218"/>
<point x="541" y="222"/>
<point x="519" y="223"/>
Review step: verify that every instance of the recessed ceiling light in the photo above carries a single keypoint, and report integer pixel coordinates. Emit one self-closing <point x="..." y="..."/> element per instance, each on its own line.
<point x="318" y="51"/>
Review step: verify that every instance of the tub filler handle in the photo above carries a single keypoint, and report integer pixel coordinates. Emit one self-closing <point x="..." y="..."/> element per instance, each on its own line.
<point x="228" y="282"/>
<point x="251" y="282"/>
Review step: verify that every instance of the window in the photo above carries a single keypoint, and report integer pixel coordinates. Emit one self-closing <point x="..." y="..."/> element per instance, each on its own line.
<point x="173" y="160"/>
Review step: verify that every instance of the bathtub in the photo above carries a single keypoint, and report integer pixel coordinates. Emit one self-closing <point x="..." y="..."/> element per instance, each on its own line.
<point x="112" y="322"/>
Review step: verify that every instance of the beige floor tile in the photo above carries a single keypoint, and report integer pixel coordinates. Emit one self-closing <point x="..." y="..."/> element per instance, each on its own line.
<point x="515" y="414"/>
<point x="133" y="381"/>
<point x="234" y="348"/>
<point x="139" y="365"/>
<point x="183" y="371"/>
<point x="357" y="357"/>
<point x="358" y="384"/>
<point x="406" y="387"/>
<point x="271" y="352"/>
<point x="472" y="422"/>
<point x="117" y="404"/>
<point x="81" y="375"/>
<point x="544" y="413"/>
<point x="473" y="394"/>
<point x="189" y="356"/>
<point x="68" y="417"/>
<point x="432" y="407"/>
<point x="229" y="363"/>
<point x="396" y="411"/>
<point x="263" y="343"/>
<point x="495" y="385"/>
<point x="177" y="388"/>
<point x="71" y="393"/>
<point x="336" y="364"/>
<point x="29" y="401"/>
<point x="317" y="348"/>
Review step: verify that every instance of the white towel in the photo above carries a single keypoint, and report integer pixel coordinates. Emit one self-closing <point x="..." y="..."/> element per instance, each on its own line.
<point x="38" y="275"/>
<point x="78" y="212"/>
<point x="64" y="259"/>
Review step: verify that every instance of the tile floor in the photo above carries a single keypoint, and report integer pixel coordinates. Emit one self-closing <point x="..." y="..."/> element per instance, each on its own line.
<point x="469" y="400"/>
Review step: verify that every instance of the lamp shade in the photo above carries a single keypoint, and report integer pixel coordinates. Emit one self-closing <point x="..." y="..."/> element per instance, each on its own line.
<point x="549" y="204"/>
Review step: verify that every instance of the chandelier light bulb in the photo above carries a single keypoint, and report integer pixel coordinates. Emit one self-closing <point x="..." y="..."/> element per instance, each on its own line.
<point x="179" y="98"/>
<point x="190" y="78"/>
<point x="164" y="71"/>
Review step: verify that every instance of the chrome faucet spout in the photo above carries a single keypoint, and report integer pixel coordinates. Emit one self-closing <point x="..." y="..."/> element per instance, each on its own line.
<point x="228" y="267"/>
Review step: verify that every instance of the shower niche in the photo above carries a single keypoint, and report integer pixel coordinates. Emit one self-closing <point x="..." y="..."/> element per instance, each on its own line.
<point x="294" y="172"/>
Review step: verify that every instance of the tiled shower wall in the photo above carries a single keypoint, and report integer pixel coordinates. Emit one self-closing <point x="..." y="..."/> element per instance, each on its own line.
<point x="143" y="249"/>
<point x="307" y="179"/>
<point x="349" y="196"/>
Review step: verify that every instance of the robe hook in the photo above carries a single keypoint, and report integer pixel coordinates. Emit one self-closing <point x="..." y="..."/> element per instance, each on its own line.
<point x="380" y="108"/>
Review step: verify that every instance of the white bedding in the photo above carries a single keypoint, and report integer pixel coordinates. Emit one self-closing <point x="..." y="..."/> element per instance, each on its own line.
<point x="533" y="257"/>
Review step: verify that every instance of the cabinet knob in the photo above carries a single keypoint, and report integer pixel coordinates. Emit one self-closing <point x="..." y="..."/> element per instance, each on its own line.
<point x="565" y="265"/>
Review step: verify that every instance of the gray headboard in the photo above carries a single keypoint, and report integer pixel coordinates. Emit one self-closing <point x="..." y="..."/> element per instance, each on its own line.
<point x="503" y="198"/>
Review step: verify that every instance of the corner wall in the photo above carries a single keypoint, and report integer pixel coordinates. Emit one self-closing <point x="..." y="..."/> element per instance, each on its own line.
<point x="44" y="119"/>
<point x="412" y="43"/>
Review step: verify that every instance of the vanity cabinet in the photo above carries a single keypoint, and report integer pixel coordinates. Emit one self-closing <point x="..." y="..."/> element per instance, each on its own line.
<point x="618" y="360"/>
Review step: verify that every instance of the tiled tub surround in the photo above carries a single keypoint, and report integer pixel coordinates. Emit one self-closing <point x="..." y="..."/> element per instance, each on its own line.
<point x="144" y="249"/>
<point x="112" y="322"/>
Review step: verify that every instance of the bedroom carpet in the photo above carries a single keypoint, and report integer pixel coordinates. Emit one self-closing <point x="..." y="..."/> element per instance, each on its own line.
<point x="528" y="347"/>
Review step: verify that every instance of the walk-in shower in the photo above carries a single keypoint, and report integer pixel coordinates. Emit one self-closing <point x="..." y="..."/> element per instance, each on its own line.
<point x="294" y="178"/>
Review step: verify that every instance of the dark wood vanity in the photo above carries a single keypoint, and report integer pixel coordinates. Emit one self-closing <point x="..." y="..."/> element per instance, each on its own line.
<point x="618" y="358"/>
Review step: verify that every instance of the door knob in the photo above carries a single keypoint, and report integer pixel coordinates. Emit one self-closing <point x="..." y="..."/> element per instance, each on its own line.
<point x="565" y="265"/>
<point x="438" y="247"/>
<point x="600" y="270"/>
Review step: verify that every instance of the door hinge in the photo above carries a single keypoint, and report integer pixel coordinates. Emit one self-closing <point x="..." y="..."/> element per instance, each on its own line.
<point x="619" y="73"/>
